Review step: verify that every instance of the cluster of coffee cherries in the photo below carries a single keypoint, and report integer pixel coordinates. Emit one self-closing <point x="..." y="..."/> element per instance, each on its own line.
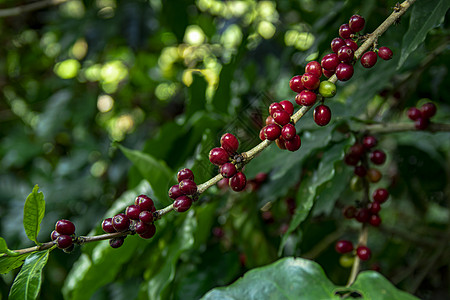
<point x="63" y="235"/>
<point x="138" y="218"/>
<point x="280" y="128"/>
<point x="185" y="192"/>
<point x="229" y="162"/>
<point x="345" y="246"/>
<point x="421" y="117"/>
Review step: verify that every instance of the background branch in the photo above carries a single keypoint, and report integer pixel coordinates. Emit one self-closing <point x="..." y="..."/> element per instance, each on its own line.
<point x="18" y="10"/>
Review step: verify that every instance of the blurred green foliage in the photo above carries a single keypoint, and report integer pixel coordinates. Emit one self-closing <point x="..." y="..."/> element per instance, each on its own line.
<point x="167" y="78"/>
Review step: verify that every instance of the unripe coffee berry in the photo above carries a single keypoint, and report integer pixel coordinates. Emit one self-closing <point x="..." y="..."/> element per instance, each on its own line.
<point x="272" y="132"/>
<point x="343" y="246"/>
<point x="116" y="242"/>
<point x="229" y="143"/>
<point x="189" y="187"/>
<point x="315" y="68"/>
<point x="356" y="23"/>
<point x="275" y="106"/>
<point x="288" y="132"/>
<point x="369" y="59"/>
<point x="428" y="110"/>
<point x="344" y="71"/>
<point x="346" y="54"/>
<point x="218" y="156"/>
<point x="293" y="144"/>
<point x="238" y="182"/>
<point x="146" y="217"/>
<point x="330" y="62"/>
<point x="185" y="174"/>
<point x="65" y="227"/>
<point x="310" y="81"/>
<point x="345" y="31"/>
<point x="64" y="241"/>
<point x="363" y="253"/>
<point x="281" y="117"/>
<point x="414" y="113"/>
<point x="121" y="222"/>
<point x="373" y="175"/>
<point x="380" y="195"/>
<point x="336" y="44"/>
<point x="306" y="98"/>
<point x="175" y="192"/>
<point x="133" y="212"/>
<point x="107" y="226"/>
<point x="327" y="89"/>
<point x="145" y="203"/>
<point x="182" y="204"/>
<point x="150" y="232"/>
<point x="322" y="115"/>
<point x="287" y="106"/>
<point x="228" y="170"/>
<point x="385" y="53"/>
<point x="378" y="157"/>
<point x="296" y="84"/>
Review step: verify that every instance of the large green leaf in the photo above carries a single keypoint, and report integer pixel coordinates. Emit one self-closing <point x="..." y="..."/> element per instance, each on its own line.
<point x="425" y="15"/>
<point x="298" y="278"/>
<point x="9" y="263"/>
<point x="27" y="283"/>
<point x="33" y="212"/>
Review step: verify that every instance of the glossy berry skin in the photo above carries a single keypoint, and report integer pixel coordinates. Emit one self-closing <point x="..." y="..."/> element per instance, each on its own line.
<point x="356" y="23"/>
<point x="314" y="68"/>
<point x="345" y="31"/>
<point x="288" y="132"/>
<point x="378" y="157"/>
<point x="272" y="132"/>
<point x="218" y="156"/>
<point x="238" y="182"/>
<point x="330" y="62"/>
<point x="229" y="143"/>
<point x="185" y="174"/>
<point x="133" y="212"/>
<point x="352" y="44"/>
<point x="385" y="53"/>
<point x="414" y="113"/>
<point x="369" y="142"/>
<point x="280" y="143"/>
<point x="369" y="59"/>
<point x="142" y="227"/>
<point x="363" y="253"/>
<point x="228" y="170"/>
<point x="428" y="110"/>
<point x="223" y="183"/>
<point x="175" y="192"/>
<point x="344" y="71"/>
<point x="306" y="98"/>
<point x="64" y="241"/>
<point x="189" y="187"/>
<point x="346" y="54"/>
<point x="150" y="232"/>
<point x="287" y="106"/>
<point x="269" y="120"/>
<point x="54" y="235"/>
<point x="362" y="215"/>
<point x="262" y="135"/>
<point x="360" y="171"/>
<point x="374" y="207"/>
<point x="322" y="115"/>
<point x="146" y="217"/>
<point x="281" y="117"/>
<point x="121" y="222"/>
<point x="380" y="195"/>
<point x="296" y="84"/>
<point x="310" y="81"/>
<point x="293" y="144"/>
<point x="327" y="89"/>
<point x="357" y="150"/>
<point x="275" y="106"/>
<point x="116" y="242"/>
<point x="343" y="246"/>
<point x="375" y="220"/>
<point x="107" y="226"/>
<point x="65" y="227"/>
<point x="336" y="44"/>
<point x="373" y="175"/>
<point x="182" y="204"/>
<point x="421" y="123"/>
<point x="145" y="203"/>
<point x="327" y="73"/>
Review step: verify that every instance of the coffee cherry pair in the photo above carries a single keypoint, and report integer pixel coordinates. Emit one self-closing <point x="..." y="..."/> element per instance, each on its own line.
<point x="63" y="235"/>
<point x="421" y="117"/>
<point x="184" y="192"/>
<point x="369" y="59"/>
<point x="344" y="246"/>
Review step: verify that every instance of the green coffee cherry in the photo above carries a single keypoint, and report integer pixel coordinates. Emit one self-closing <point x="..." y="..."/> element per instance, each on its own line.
<point x="346" y="261"/>
<point x="327" y="89"/>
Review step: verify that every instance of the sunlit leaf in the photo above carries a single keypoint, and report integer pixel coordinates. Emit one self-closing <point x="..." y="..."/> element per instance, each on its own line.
<point x="33" y="212"/>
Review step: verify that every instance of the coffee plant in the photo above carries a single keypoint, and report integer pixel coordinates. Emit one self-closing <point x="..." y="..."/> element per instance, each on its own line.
<point x="225" y="150"/>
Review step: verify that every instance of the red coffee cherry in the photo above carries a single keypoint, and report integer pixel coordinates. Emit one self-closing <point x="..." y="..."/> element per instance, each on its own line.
<point x="54" y="235"/>
<point x="229" y="143"/>
<point x="306" y="98"/>
<point x="272" y="132"/>
<point x="352" y="44"/>
<point x="369" y="142"/>
<point x="374" y="207"/>
<point x="296" y="84"/>
<point x="349" y="212"/>
<point x="175" y="192"/>
<point x="223" y="183"/>
<point x="344" y="71"/>
<point x="145" y="203"/>
<point x="281" y="117"/>
<point x="189" y="187"/>
<point x="362" y="215"/>
<point x="351" y="160"/>
<point x="360" y="171"/>
<point x="280" y="143"/>
<point x="380" y="195"/>
<point x="385" y="53"/>
<point x="116" y="242"/>
<point x="369" y="59"/>
<point x="238" y="182"/>
<point x="142" y="227"/>
<point x="133" y="212"/>
<point x="275" y="106"/>
<point x="378" y="157"/>
<point x="330" y="62"/>
<point x="428" y="110"/>
<point x="375" y="220"/>
<point x="269" y="120"/>
<point x="363" y="253"/>
<point x="315" y="68"/>
<point x="288" y="132"/>
<point x="421" y="123"/>
<point x="151" y="230"/>
<point x="182" y="204"/>
<point x="185" y="174"/>
<point x="218" y="156"/>
<point x="64" y="241"/>
<point x="310" y="81"/>
<point x="346" y="54"/>
<point x="336" y="44"/>
<point x="107" y="226"/>
<point x="357" y="150"/>
<point x="121" y="222"/>
<point x="345" y="31"/>
<point x="343" y="246"/>
<point x="262" y="135"/>
<point x="293" y="144"/>
<point x="287" y="106"/>
<point x="228" y="170"/>
<point x="414" y="113"/>
<point x="146" y="217"/>
<point x="65" y="227"/>
<point x="322" y="115"/>
<point x="327" y="73"/>
<point x="356" y="23"/>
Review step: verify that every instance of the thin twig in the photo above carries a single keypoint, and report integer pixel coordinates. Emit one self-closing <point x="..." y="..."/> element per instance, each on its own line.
<point x="18" y="10"/>
<point x="355" y="268"/>
<point x="399" y="127"/>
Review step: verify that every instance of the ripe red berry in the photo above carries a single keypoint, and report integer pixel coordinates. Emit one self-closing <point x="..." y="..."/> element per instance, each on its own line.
<point x="293" y="144"/>
<point x="345" y="31"/>
<point x="375" y="220"/>
<point x="336" y="44"/>
<point x="296" y="84"/>
<point x="281" y="117"/>
<point x="310" y="81"/>
<point x="228" y="170"/>
<point x="116" y="242"/>
<point x="360" y="171"/>
<point x="343" y="246"/>
<point x="189" y="187"/>
<point x="142" y="227"/>
<point x="380" y="195"/>
<point x="287" y="106"/>
<point x="369" y="142"/>
<point x="330" y="61"/>
<point x="315" y="68"/>
<point x="414" y="113"/>
<point x="146" y="217"/>
<point x="229" y="143"/>
<point x="133" y="212"/>
<point x="322" y="115"/>
<point x="262" y="135"/>
<point x="275" y="106"/>
<point x="288" y="132"/>
<point x="421" y="123"/>
<point x="346" y="54"/>
<point x="344" y="71"/>
<point x="352" y="44"/>
<point x="385" y="53"/>
<point x="175" y="192"/>
<point x="238" y="182"/>
<point x="378" y="157"/>
<point x="145" y="203"/>
<point x="64" y="241"/>
<point x="121" y="222"/>
<point x="374" y="207"/>
<point x="306" y="98"/>
<point x="373" y="175"/>
<point x="428" y="110"/>
<point x="218" y="156"/>
<point x="362" y="215"/>
<point x="351" y="160"/>
<point x="185" y="174"/>
<point x="363" y="253"/>
<point x="356" y="23"/>
<point x="182" y="204"/>
<point x="107" y="226"/>
<point x="272" y="132"/>
<point x="280" y="143"/>
<point x="151" y="230"/>
<point x="357" y="150"/>
<point x="349" y="212"/>
<point x="327" y="73"/>
<point x="65" y="227"/>
<point x="369" y="59"/>
<point x="54" y="235"/>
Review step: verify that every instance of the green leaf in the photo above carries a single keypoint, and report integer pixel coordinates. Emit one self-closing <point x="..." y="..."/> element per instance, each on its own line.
<point x="3" y="246"/>
<point x="33" y="212"/>
<point x="27" y="283"/>
<point x="156" y="172"/>
<point x="425" y="15"/>
<point x="9" y="263"/>
<point x="196" y="95"/>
